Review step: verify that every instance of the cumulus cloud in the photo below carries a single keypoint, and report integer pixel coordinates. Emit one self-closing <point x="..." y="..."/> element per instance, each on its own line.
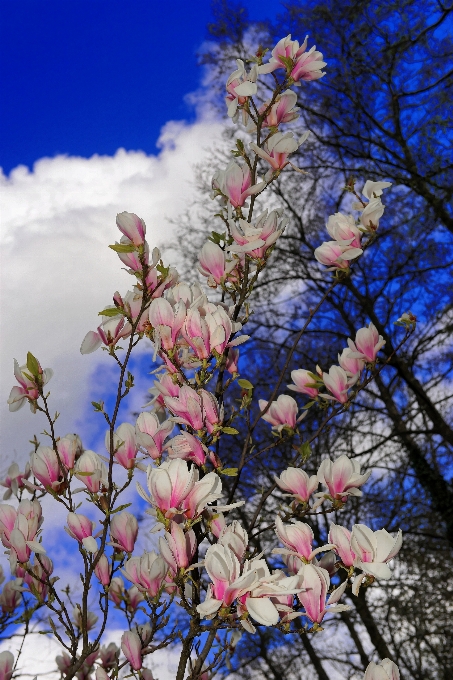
<point x="57" y="272"/>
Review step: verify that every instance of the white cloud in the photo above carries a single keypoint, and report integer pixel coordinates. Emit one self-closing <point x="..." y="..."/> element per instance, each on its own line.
<point x="57" y="271"/>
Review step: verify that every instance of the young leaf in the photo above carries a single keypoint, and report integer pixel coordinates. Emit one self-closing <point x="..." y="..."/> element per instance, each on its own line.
<point x="123" y="247"/>
<point x="32" y="364"/>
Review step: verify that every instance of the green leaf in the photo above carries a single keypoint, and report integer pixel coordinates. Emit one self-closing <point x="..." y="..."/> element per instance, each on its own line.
<point x="229" y="472"/>
<point x="309" y="404"/>
<point x="121" y="507"/>
<point x="32" y="364"/>
<point x="245" y="384"/>
<point x="305" y="451"/>
<point x="287" y="62"/>
<point x="230" y="430"/>
<point x="110" y="311"/>
<point x="123" y="247"/>
<point x="98" y="406"/>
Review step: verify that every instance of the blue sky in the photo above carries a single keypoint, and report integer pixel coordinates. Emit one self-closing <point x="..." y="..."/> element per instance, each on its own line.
<point x="81" y="77"/>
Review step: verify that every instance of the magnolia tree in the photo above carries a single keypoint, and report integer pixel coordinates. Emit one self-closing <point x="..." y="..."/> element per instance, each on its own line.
<point x="206" y="581"/>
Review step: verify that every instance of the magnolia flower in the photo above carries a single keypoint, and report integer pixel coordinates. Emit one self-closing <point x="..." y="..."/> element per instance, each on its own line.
<point x="255" y="238"/>
<point x="343" y="229"/>
<point x="29" y="385"/>
<point x="235" y="537"/>
<point x="123" y="531"/>
<point x="103" y="570"/>
<point x="232" y="362"/>
<point x="374" y="549"/>
<point x="178" y="548"/>
<point x="188" y="447"/>
<point x="316" y="582"/>
<point x="297" y="483"/>
<point x="6" y="665"/>
<point x="124" y="445"/>
<point x="10" y="597"/>
<point x="277" y="149"/>
<point x="341" y="538"/>
<point x="37" y="579"/>
<point x="235" y="184"/>
<point x="132" y="227"/>
<point x="240" y="86"/>
<point x="109" y="655"/>
<point x="195" y="409"/>
<point x="335" y="255"/>
<point x="14" y="480"/>
<point x="151" y="434"/>
<point x="342" y="477"/>
<point x="90" y="623"/>
<point x="116" y="590"/>
<point x="68" y="448"/>
<point x="224" y="570"/>
<point x="166" y="321"/>
<point x="338" y="383"/>
<point x="214" y="265"/>
<point x="281" y="413"/>
<point x="301" y="379"/>
<point x="90" y="462"/>
<point x="372" y="213"/>
<point x="387" y="669"/>
<point x="367" y="344"/>
<point x="284" y="110"/>
<point x="351" y="365"/>
<point x="211" y="332"/>
<point x="298" y="538"/>
<point x="46" y="467"/>
<point x="81" y="528"/>
<point x="112" y="329"/>
<point x="374" y="189"/>
<point x="305" y="65"/>
<point x="132" y="649"/>
<point x="21" y="539"/>
<point x="146" y="572"/>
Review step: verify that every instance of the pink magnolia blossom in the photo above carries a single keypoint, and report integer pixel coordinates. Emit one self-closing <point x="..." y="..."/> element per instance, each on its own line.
<point x="211" y="332"/>
<point x="40" y="573"/>
<point x="374" y="549"/>
<point x="109" y="655"/>
<point x="338" y="383"/>
<point x="342" y="477"/>
<point x="6" y="665"/>
<point x="68" y="448"/>
<point x="282" y="412"/>
<point x="235" y="184"/>
<point x="133" y="598"/>
<point x="335" y="255"/>
<point x="63" y="662"/>
<point x="298" y="538"/>
<point x="306" y="65"/>
<point x="132" y="227"/>
<point x="146" y="572"/>
<point x="111" y="330"/>
<point x="101" y="674"/>
<point x="124" y="445"/>
<point x="349" y="364"/>
<point x="387" y="669"/>
<point x="283" y="111"/>
<point x="343" y="229"/>
<point x="21" y="538"/>
<point x="372" y="213"/>
<point x="29" y="388"/>
<point x="188" y="447"/>
<point x="257" y="237"/>
<point x="224" y="570"/>
<point x="301" y="378"/>
<point x="341" y="538"/>
<point x="217" y="523"/>
<point x="367" y="344"/>
<point x="116" y="590"/>
<point x="46" y="467"/>
<point x="232" y="362"/>
<point x="132" y="649"/>
<point x="81" y="528"/>
<point x="166" y="321"/>
<point x="297" y="483"/>
<point x="90" y="462"/>
<point x="316" y="582"/>
<point x="103" y="570"/>
<point x="14" y="480"/>
<point x="178" y="548"/>
<point x="235" y="537"/>
<point x="8" y="516"/>
<point x="277" y="149"/>
<point x="240" y="86"/>
<point x="214" y="264"/>
<point x="151" y="433"/>
<point x="10" y="597"/>
<point x="195" y="409"/>
<point x="164" y="387"/>
<point x="123" y="531"/>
